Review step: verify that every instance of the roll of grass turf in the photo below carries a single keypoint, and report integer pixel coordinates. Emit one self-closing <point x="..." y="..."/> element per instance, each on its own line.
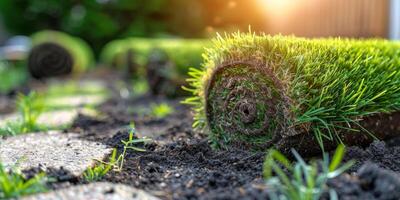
<point x="128" y="54"/>
<point x="169" y="62"/>
<point x="164" y="62"/>
<point x="55" y="54"/>
<point x="287" y="92"/>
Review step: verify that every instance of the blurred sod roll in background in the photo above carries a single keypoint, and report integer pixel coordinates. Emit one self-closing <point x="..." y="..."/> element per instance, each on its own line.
<point x="128" y="53"/>
<point x="288" y="92"/>
<point x="55" y="53"/>
<point x="169" y="63"/>
<point x="164" y="62"/>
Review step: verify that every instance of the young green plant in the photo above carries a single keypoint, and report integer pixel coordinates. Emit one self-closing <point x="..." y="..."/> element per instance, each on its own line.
<point x="14" y="184"/>
<point x="305" y="181"/>
<point x="98" y="171"/>
<point x="102" y="168"/>
<point x="161" y="110"/>
<point x="129" y="145"/>
<point x="30" y="108"/>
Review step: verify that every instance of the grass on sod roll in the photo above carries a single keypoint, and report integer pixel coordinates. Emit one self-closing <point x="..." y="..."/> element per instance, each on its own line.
<point x="80" y="52"/>
<point x="304" y="181"/>
<point x="263" y="91"/>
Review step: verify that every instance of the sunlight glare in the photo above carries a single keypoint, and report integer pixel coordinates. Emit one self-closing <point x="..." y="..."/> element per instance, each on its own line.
<point x="277" y="7"/>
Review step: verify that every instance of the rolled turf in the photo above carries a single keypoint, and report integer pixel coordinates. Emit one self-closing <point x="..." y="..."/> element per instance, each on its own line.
<point x="169" y="63"/>
<point x="164" y="62"/>
<point x="128" y="54"/>
<point x="287" y="92"/>
<point x="55" y="54"/>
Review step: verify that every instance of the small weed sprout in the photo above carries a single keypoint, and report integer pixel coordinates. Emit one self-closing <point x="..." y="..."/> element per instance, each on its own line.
<point x="305" y="181"/>
<point x="129" y="144"/>
<point x="100" y="170"/>
<point x="13" y="184"/>
<point x="139" y="87"/>
<point x="97" y="172"/>
<point x="30" y="108"/>
<point x="161" y="110"/>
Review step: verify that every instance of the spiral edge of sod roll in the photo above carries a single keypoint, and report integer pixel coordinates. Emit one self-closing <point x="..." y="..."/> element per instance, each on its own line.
<point x="72" y="54"/>
<point x="287" y="92"/>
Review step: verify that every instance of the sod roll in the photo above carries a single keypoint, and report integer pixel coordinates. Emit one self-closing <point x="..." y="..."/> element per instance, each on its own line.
<point x="55" y="54"/>
<point x="164" y="62"/>
<point x="169" y="63"/>
<point x="125" y="54"/>
<point x="287" y="92"/>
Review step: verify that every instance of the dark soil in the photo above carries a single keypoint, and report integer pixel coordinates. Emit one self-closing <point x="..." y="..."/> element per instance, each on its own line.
<point x="386" y="155"/>
<point x="370" y="182"/>
<point x="57" y="178"/>
<point x="6" y="105"/>
<point x="180" y="164"/>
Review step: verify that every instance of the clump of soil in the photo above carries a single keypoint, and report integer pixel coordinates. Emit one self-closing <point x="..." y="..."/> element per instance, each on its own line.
<point x="370" y="182"/>
<point x="57" y="178"/>
<point x="384" y="154"/>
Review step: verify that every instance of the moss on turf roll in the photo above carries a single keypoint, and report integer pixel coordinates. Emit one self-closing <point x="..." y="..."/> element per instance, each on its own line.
<point x="265" y="91"/>
<point x="55" y="53"/>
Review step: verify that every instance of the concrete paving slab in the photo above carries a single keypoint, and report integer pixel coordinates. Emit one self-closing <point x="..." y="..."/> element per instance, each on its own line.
<point x="51" y="150"/>
<point x="95" y="191"/>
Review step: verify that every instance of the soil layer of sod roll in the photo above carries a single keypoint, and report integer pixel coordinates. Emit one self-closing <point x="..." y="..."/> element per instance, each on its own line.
<point x="55" y="54"/>
<point x="287" y="92"/>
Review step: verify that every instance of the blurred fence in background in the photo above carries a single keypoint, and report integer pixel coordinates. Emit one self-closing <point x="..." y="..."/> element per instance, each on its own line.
<point x="323" y="18"/>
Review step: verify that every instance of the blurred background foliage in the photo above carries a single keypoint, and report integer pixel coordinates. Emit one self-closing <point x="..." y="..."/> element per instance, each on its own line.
<point x="100" y="21"/>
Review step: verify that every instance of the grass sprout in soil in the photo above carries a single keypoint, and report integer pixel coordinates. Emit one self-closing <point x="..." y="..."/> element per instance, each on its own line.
<point x="305" y="181"/>
<point x="30" y="107"/>
<point x="115" y="163"/>
<point x="13" y="183"/>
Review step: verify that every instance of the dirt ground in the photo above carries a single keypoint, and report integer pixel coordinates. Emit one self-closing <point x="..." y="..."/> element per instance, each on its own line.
<point x="180" y="164"/>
